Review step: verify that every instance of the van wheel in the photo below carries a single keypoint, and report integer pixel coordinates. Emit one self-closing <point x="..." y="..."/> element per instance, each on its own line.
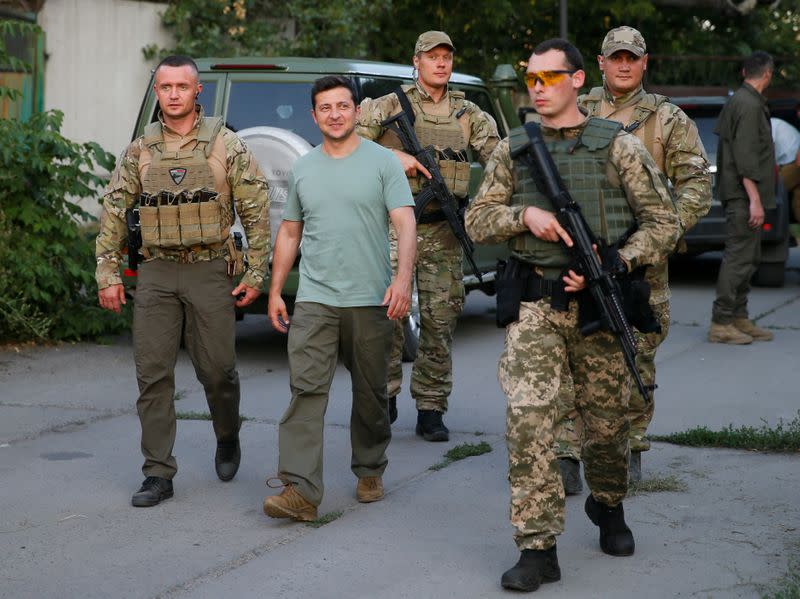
<point x="770" y="274"/>
<point x="411" y="325"/>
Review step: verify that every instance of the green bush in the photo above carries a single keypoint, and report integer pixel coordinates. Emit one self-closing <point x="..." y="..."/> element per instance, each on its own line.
<point x="47" y="287"/>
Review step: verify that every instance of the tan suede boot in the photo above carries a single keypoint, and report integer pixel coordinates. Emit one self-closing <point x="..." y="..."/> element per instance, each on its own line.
<point x="290" y="504"/>
<point x="727" y="333"/>
<point x="369" y="489"/>
<point x="748" y="327"/>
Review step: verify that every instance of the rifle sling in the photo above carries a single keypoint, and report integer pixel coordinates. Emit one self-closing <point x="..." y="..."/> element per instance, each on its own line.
<point x="405" y="105"/>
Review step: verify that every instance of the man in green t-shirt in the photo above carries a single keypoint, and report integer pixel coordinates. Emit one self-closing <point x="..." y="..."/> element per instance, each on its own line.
<point x="339" y="196"/>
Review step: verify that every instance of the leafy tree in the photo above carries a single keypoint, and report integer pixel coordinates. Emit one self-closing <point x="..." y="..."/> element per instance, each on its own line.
<point x="502" y="31"/>
<point x="47" y="288"/>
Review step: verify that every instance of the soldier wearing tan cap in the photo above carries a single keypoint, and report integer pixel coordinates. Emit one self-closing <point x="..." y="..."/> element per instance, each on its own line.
<point x="447" y="121"/>
<point x="672" y="140"/>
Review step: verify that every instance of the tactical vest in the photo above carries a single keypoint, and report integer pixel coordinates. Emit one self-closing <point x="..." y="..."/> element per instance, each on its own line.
<point x="447" y="135"/>
<point x="636" y="119"/>
<point x="582" y="164"/>
<point x="179" y="208"/>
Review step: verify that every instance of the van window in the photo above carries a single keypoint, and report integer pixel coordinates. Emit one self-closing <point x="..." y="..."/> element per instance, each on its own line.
<point x="375" y="87"/>
<point x="207" y="96"/>
<point x="484" y="102"/>
<point x="274" y="104"/>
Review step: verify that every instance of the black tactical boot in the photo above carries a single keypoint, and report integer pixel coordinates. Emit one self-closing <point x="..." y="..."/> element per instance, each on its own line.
<point x="153" y="491"/>
<point x="615" y="536"/>
<point x="571" y="476"/>
<point x="226" y="461"/>
<point x="431" y="427"/>
<point x="533" y="568"/>
<point x="635" y="467"/>
<point x="392" y="409"/>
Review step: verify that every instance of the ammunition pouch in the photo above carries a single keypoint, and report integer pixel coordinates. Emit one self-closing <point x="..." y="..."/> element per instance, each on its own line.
<point x="235" y="258"/>
<point x="455" y="173"/>
<point x="517" y="282"/>
<point x="635" y="289"/>
<point x="186" y="219"/>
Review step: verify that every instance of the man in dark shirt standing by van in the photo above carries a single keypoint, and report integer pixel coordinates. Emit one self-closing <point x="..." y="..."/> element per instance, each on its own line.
<point x="746" y="171"/>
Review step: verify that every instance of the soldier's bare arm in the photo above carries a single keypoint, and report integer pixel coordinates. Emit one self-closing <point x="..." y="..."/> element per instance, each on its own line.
<point x="286" y="246"/>
<point x="398" y="295"/>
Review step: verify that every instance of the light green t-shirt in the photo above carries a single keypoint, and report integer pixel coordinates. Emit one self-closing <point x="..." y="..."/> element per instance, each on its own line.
<point x="344" y="205"/>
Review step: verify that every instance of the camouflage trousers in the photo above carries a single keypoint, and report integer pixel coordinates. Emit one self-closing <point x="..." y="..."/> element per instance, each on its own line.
<point x="538" y="348"/>
<point x="440" y="287"/>
<point x="640" y="413"/>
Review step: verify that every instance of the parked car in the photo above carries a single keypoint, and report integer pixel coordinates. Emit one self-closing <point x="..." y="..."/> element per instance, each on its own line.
<point x="709" y="233"/>
<point x="267" y="102"/>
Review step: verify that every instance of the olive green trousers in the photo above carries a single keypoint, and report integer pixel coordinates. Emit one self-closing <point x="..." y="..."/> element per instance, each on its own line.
<point x="318" y="334"/>
<point x="739" y="261"/>
<point x="195" y="299"/>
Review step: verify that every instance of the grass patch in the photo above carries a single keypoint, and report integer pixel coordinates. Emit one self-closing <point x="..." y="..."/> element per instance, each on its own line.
<point x="783" y="437"/>
<point x="325" y="519"/>
<point x="787" y="587"/>
<point x="460" y="452"/>
<point x="657" y="484"/>
<point x="201" y="416"/>
<point x="179" y="395"/>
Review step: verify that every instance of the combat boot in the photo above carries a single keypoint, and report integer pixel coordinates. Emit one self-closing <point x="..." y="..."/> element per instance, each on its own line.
<point x="289" y="504"/>
<point x="748" y="327"/>
<point x="727" y="333"/>
<point x="571" y="476"/>
<point x="431" y="427"/>
<point x="615" y="536"/>
<point x="227" y="459"/>
<point x="635" y="467"/>
<point x="369" y="489"/>
<point x="392" y="409"/>
<point x="534" y="567"/>
<point x="153" y="491"/>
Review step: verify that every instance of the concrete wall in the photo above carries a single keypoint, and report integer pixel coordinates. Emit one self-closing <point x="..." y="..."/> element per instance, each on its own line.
<point x="95" y="71"/>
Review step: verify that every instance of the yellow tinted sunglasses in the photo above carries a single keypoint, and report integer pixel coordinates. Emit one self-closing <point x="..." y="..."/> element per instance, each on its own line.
<point x="546" y="77"/>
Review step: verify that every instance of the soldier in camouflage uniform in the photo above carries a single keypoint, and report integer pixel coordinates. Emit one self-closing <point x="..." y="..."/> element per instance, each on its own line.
<point x="614" y="179"/>
<point x="453" y="125"/>
<point x="184" y="175"/>
<point x="672" y="140"/>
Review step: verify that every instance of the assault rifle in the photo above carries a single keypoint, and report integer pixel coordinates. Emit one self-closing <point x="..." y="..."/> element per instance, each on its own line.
<point x="603" y="284"/>
<point x="436" y="188"/>
<point x="134" y="236"/>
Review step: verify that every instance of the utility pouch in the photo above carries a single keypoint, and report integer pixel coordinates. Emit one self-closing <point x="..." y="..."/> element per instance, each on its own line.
<point x="148" y="219"/>
<point x="589" y="318"/>
<point x="189" y="210"/>
<point x="636" y="302"/>
<point x="168" y="220"/>
<point x="210" y="217"/>
<point x="235" y="256"/>
<point x="509" y="286"/>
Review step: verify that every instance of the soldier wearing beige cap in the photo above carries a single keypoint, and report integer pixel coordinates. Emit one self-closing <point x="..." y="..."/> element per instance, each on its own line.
<point x="444" y="119"/>
<point x="672" y="140"/>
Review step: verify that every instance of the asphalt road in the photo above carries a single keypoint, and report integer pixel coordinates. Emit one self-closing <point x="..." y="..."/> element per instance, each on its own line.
<point x="69" y="461"/>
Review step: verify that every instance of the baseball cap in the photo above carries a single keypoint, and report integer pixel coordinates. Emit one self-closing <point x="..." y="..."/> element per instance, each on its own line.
<point x="623" y="38"/>
<point x="430" y="39"/>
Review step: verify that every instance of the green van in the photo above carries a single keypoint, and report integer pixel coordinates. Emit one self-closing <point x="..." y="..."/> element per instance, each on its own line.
<point x="266" y="101"/>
